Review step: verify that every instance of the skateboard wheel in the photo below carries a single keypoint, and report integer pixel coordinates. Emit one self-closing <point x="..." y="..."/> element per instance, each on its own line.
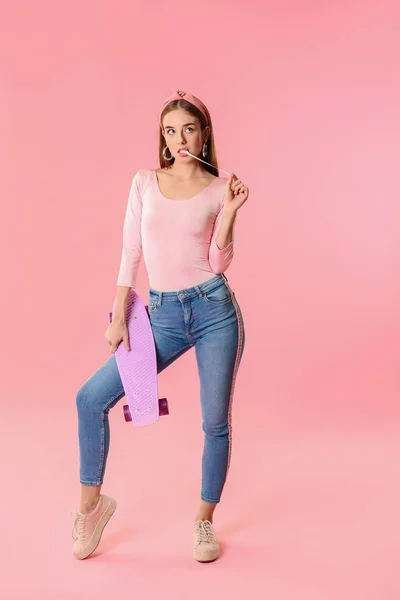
<point x="163" y="407"/>
<point x="127" y="413"/>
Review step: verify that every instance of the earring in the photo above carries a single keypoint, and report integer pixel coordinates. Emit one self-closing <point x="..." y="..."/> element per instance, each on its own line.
<point x="166" y="157"/>
<point x="204" y="151"/>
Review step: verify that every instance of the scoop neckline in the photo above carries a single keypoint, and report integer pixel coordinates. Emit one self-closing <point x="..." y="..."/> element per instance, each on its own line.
<point x="186" y="199"/>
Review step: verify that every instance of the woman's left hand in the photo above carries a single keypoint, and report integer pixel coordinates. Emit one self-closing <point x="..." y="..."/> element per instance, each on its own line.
<point x="236" y="194"/>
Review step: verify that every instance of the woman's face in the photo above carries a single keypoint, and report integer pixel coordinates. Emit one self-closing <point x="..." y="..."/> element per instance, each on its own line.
<point x="182" y="130"/>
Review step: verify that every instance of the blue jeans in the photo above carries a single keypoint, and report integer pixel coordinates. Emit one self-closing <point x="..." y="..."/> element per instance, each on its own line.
<point x="206" y="316"/>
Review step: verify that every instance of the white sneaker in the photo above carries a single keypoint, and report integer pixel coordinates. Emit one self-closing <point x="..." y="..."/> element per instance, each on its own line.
<point x="206" y="546"/>
<point x="89" y="527"/>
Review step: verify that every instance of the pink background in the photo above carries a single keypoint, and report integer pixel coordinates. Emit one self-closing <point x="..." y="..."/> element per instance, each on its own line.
<point x="305" y="101"/>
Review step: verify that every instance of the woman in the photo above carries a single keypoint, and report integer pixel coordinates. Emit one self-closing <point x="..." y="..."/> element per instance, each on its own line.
<point x="181" y="218"/>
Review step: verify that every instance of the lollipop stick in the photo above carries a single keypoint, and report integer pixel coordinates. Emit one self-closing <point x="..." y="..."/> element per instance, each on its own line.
<point x="187" y="152"/>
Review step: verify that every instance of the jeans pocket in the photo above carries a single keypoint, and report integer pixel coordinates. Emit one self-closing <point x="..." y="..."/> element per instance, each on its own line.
<point x="219" y="295"/>
<point x="154" y="303"/>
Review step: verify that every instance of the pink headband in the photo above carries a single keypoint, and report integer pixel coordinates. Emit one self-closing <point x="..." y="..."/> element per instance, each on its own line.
<point x="178" y="95"/>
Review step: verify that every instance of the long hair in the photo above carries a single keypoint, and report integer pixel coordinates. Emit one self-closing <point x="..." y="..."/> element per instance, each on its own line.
<point x="194" y="111"/>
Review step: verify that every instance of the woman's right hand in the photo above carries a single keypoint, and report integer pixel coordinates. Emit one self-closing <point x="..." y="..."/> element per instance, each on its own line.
<point x="117" y="332"/>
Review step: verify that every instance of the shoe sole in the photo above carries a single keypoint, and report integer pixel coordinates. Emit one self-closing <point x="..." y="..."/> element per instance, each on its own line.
<point x="97" y="533"/>
<point x="211" y="558"/>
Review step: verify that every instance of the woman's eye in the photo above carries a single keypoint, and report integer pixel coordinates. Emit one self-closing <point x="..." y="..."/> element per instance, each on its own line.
<point x="169" y="130"/>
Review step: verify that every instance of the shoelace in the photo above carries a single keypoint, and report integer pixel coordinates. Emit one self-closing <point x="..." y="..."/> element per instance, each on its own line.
<point x="79" y="525"/>
<point x="205" y="533"/>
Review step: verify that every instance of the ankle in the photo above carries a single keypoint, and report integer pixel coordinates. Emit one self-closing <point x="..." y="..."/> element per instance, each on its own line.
<point x="204" y="518"/>
<point x="88" y="506"/>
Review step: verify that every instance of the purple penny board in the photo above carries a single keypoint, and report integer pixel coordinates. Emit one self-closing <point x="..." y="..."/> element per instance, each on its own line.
<point x="138" y="366"/>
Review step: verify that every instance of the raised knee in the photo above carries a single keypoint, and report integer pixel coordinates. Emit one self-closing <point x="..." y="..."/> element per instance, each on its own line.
<point x="82" y="399"/>
<point x="88" y="399"/>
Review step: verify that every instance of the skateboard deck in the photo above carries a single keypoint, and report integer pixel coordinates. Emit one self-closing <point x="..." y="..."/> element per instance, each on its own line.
<point x="138" y="367"/>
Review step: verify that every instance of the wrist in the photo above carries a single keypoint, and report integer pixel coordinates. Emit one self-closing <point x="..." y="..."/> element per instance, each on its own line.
<point x="119" y="319"/>
<point x="229" y="214"/>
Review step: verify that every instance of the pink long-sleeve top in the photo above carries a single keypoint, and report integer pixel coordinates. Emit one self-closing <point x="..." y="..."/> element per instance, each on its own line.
<point x="176" y="237"/>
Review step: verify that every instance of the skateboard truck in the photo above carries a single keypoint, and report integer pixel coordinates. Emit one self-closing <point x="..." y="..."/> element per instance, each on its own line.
<point x="162" y="406"/>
